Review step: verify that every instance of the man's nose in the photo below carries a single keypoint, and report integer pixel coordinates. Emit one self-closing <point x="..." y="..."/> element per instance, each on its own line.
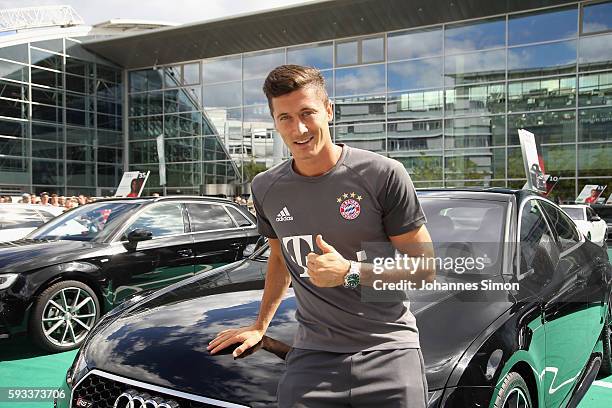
<point x="301" y="127"/>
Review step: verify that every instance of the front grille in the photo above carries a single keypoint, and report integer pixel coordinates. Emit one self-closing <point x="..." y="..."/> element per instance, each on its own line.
<point x="102" y="392"/>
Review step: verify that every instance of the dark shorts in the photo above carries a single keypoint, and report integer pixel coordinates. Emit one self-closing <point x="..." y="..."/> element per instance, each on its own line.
<point x="379" y="378"/>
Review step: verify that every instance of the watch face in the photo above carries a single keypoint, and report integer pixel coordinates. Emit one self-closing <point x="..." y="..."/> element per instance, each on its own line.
<point x="352" y="280"/>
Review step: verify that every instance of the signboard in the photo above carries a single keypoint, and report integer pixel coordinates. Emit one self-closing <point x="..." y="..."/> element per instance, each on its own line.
<point x="132" y="183"/>
<point x="161" y="156"/>
<point x="551" y="182"/>
<point x="590" y="193"/>
<point x="534" y="169"/>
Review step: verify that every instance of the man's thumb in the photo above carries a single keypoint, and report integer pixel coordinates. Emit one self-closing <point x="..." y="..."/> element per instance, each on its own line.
<point x="324" y="246"/>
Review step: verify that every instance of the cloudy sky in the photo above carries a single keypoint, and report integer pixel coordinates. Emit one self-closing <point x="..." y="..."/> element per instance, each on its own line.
<point x="174" y="11"/>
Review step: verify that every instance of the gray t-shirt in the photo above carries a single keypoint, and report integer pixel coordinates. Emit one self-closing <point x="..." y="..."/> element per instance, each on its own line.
<point x="364" y="198"/>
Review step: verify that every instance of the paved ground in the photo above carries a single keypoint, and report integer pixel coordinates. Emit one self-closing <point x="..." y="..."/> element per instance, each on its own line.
<point x="21" y="365"/>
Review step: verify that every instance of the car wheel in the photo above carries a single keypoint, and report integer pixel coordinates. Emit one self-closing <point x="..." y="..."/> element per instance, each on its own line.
<point x="63" y="315"/>
<point x="513" y="393"/>
<point x="606" y="339"/>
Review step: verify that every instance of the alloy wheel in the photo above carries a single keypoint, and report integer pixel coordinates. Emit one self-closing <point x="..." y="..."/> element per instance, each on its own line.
<point x="516" y="399"/>
<point x="68" y="316"/>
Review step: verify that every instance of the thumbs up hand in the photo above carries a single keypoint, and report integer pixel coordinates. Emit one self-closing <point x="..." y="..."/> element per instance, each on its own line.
<point x="326" y="270"/>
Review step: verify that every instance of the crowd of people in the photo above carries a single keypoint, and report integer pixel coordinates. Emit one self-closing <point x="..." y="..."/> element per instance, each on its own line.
<point x="69" y="202"/>
<point x="50" y="199"/>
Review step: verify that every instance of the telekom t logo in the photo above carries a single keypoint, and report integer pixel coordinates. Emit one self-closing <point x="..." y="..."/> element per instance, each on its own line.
<point x="293" y="247"/>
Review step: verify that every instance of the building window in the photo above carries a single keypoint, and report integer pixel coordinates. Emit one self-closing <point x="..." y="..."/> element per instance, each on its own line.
<point x="360" y="51"/>
<point x="596" y="18"/>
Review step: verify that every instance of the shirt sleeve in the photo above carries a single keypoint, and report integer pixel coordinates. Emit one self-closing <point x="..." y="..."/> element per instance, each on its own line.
<point x="263" y="224"/>
<point x="402" y="210"/>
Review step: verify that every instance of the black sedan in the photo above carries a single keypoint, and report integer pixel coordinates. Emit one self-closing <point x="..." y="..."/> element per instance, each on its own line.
<point x="58" y="281"/>
<point x="534" y="332"/>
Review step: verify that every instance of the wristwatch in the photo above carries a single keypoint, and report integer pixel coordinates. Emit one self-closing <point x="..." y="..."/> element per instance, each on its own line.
<point x="351" y="279"/>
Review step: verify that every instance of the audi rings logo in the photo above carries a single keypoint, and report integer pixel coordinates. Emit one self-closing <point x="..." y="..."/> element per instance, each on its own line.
<point x="135" y="399"/>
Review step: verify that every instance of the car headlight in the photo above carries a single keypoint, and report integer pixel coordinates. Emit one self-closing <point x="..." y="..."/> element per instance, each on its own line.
<point x="77" y="370"/>
<point x="7" y="279"/>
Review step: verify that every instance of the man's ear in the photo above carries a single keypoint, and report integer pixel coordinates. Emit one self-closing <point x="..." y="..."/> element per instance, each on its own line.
<point x="330" y="110"/>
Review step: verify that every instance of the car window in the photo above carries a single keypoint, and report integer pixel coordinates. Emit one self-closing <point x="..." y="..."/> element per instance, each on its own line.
<point x="574" y="212"/>
<point x="538" y="249"/>
<point x="465" y="228"/>
<point x="590" y="213"/>
<point x="208" y="217"/>
<point x="161" y="220"/>
<point x="240" y="218"/>
<point x="11" y="218"/>
<point x="563" y="226"/>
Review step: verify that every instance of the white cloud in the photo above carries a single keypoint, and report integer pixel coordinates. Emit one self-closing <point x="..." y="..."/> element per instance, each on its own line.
<point x="181" y="11"/>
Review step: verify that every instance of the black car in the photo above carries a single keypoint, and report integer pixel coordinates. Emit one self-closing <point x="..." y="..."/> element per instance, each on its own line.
<point x="535" y="337"/>
<point x="56" y="282"/>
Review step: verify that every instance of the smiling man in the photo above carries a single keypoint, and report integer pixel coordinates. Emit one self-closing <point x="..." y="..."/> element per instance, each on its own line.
<point x="319" y="210"/>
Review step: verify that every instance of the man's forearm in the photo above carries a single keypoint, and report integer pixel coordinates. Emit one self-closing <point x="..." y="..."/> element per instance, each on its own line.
<point x="277" y="282"/>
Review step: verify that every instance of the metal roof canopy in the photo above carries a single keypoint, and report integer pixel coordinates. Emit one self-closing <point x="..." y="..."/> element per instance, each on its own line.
<point x="312" y="22"/>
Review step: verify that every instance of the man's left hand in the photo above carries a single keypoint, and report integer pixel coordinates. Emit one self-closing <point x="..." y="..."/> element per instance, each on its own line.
<point x="326" y="270"/>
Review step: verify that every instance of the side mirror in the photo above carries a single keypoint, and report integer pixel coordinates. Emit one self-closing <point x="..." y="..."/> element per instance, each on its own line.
<point x="137" y="235"/>
<point x="595" y="218"/>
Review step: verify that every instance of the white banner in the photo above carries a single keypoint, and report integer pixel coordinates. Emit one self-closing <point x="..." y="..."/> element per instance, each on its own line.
<point x="132" y="183"/>
<point x="590" y="193"/>
<point x="536" y="179"/>
<point x="161" y="156"/>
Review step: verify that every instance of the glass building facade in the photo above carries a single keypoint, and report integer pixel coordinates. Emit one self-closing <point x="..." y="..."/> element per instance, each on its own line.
<point x="60" y="119"/>
<point x="446" y="100"/>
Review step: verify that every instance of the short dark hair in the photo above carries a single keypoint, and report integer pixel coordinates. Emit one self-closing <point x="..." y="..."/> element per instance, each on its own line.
<point x="285" y="79"/>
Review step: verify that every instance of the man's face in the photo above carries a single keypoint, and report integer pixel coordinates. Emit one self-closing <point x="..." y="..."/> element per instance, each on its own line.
<point x="593" y="193"/>
<point x="301" y="117"/>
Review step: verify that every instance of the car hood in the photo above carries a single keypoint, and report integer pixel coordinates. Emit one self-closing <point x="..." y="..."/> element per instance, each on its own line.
<point x="25" y="254"/>
<point x="162" y="340"/>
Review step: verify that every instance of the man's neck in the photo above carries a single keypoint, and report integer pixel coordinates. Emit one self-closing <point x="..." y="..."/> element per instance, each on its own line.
<point x="320" y="165"/>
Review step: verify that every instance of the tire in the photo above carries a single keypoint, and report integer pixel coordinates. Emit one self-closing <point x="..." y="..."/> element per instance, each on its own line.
<point x="63" y="315"/>
<point x="513" y="390"/>
<point x="606" y="339"/>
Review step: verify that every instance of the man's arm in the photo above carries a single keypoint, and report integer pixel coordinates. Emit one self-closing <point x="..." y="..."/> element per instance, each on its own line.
<point x="416" y="243"/>
<point x="277" y="282"/>
<point x="329" y="269"/>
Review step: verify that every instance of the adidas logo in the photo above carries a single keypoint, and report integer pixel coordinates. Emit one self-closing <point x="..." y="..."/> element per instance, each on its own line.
<point x="284" y="215"/>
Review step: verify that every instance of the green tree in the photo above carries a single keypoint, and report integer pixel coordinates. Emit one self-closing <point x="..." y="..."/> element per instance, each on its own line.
<point x="251" y="169"/>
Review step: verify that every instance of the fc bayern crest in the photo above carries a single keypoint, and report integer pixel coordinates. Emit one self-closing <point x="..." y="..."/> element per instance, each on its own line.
<point x="350" y="209"/>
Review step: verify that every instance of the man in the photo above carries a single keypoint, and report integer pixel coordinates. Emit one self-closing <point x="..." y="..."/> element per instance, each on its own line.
<point x="26" y="198"/>
<point x="55" y="200"/>
<point x="44" y="198"/>
<point x="592" y="199"/>
<point x="318" y="210"/>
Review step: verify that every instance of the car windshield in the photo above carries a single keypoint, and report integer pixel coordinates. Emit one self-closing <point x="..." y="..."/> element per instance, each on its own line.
<point x="574" y="213"/>
<point x="84" y="223"/>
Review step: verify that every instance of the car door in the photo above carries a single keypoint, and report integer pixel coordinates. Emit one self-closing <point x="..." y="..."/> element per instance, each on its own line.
<point x="166" y="258"/>
<point x="217" y="239"/>
<point x="566" y="309"/>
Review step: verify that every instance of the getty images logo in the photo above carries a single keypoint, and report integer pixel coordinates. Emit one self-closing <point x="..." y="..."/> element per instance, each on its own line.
<point x="284" y="215"/>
